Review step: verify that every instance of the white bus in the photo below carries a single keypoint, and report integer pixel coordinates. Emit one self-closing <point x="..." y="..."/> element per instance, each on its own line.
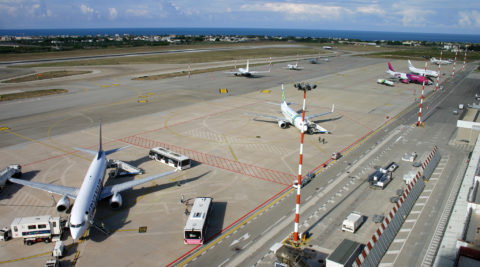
<point x="169" y="157"/>
<point x="196" y="226"/>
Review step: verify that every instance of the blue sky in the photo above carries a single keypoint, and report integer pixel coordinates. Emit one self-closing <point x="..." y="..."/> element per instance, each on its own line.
<point x="435" y="16"/>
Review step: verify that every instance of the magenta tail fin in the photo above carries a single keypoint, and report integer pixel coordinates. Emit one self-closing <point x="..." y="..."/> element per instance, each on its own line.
<point x="390" y="66"/>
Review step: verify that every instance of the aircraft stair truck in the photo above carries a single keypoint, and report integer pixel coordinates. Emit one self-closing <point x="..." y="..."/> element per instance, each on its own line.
<point x="352" y="222"/>
<point x="37" y="229"/>
<point x="13" y="170"/>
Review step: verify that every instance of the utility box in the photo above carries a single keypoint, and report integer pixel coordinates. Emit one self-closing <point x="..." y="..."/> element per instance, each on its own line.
<point x="352" y="222"/>
<point x="345" y="254"/>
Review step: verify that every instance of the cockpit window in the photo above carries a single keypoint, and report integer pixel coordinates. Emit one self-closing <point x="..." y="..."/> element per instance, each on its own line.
<point x="77" y="225"/>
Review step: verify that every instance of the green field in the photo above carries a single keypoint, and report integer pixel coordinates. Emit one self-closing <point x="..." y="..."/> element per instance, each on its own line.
<point x="185" y="58"/>
<point x="45" y="75"/>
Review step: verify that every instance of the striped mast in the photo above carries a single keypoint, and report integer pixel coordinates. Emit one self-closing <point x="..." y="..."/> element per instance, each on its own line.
<point x="465" y="58"/>
<point x="438" y="78"/>
<point x="299" y="183"/>
<point x="454" y="63"/>
<point x="419" y="122"/>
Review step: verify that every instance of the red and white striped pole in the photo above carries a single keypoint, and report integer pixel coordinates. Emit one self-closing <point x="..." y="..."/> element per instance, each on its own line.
<point x="299" y="184"/>
<point x="454" y="63"/>
<point x="465" y="58"/>
<point x="438" y="77"/>
<point x="419" y="122"/>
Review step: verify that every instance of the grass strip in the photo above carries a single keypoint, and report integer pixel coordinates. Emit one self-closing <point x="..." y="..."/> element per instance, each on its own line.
<point x="45" y="75"/>
<point x="30" y="94"/>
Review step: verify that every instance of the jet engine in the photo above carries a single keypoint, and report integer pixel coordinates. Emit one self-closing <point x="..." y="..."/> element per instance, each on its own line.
<point x="63" y="204"/>
<point x="116" y="201"/>
<point x="282" y="124"/>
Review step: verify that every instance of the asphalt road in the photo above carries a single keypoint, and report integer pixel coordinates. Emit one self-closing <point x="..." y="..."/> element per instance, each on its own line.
<point x="329" y="200"/>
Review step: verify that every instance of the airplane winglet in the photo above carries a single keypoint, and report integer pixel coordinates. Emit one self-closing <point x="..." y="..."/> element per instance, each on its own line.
<point x="333" y="107"/>
<point x="100" y="138"/>
<point x="283" y="94"/>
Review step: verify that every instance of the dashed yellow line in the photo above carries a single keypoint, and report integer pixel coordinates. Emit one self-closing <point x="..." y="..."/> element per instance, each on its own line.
<point x="4" y="128"/>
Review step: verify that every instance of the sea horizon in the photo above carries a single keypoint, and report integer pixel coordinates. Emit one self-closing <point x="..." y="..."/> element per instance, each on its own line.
<point x="272" y="32"/>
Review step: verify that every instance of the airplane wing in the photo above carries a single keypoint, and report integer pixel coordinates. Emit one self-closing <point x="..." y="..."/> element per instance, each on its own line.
<point x="266" y="116"/>
<point x="319" y="114"/>
<point x="258" y="71"/>
<point x="71" y="192"/>
<point x="110" y="190"/>
<point x="231" y="72"/>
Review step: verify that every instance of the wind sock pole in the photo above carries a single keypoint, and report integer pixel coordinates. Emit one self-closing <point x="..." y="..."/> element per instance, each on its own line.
<point x="419" y="122"/>
<point x="454" y="63"/>
<point x="438" y="77"/>
<point x="304" y="88"/>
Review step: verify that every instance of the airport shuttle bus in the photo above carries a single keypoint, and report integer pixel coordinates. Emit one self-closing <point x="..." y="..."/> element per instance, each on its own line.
<point x="196" y="226"/>
<point x="169" y="157"/>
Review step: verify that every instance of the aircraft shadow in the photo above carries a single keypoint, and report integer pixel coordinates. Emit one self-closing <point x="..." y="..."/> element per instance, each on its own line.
<point x="115" y="220"/>
<point x="325" y="120"/>
<point x="217" y="218"/>
<point x="11" y="188"/>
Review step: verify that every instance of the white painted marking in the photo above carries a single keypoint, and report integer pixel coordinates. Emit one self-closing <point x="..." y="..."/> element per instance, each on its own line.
<point x="243" y="237"/>
<point x="246" y="245"/>
<point x="422" y="197"/>
<point x="411" y="220"/>
<point x="427" y="190"/>
<point x="399" y="240"/>
<point x="223" y="262"/>
<point x="415" y="212"/>
<point x="393" y="251"/>
<point x="419" y="204"/>
<point x="271" y="226"/>
<point x="405" y="230"/>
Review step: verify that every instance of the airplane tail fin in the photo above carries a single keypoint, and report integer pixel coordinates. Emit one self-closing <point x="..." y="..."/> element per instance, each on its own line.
<point x="410" y="64"/>
<point x="248" y="63"/>
<point x="390" y="66"/>
<point x="283" y="94"/>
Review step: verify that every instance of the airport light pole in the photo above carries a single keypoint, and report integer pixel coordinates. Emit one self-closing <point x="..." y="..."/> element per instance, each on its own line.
<point x="419" y="122"/>
<point x="301" y="87"/>
<point x="465" y="58"/>
<point x="440" y="64"/>
<point x="454" y="63"/>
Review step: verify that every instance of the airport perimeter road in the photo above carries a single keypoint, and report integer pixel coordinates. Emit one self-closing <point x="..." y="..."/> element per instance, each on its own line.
<point x="114" y="99"/>
<point x="341" y="188"/>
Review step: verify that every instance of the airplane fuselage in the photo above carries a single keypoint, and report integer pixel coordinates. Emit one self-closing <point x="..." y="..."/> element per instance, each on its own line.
<point x="293" y="117"/>
<point x="83" y="210"/>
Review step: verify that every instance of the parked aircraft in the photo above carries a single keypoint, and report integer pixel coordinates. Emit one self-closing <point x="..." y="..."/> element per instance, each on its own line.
<point x="429" y="73"/>
<point x="290" y="117"/>
<point x="407" y="77"/>
<point x="386" y="82"/>
<point x="246" y="72"/>
<point x="316" y="61"/>
<point x="440" y="61"/>
<point x="90" y="192"/>
<point x="294" y="67"/>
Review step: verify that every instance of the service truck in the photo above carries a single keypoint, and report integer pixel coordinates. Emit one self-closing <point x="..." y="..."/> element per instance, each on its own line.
<point x="352" y="222"/>
<point x="37" y="229"/>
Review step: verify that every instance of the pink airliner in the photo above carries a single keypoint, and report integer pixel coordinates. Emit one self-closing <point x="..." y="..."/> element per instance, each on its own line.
<point x="407" y="77"/>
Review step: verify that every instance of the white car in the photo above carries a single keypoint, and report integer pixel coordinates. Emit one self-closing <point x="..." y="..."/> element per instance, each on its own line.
<point x="410" y="157"/>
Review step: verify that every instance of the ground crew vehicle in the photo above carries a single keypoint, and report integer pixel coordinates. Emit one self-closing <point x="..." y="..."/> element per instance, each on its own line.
<point x="37" y="229"/>
<point x="5" y="233"/>
<point x="352" y="222"/>
<point x="59" y="249"/>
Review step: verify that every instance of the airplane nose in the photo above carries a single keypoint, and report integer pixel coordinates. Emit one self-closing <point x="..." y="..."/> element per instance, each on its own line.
<point x="75" y="234"/>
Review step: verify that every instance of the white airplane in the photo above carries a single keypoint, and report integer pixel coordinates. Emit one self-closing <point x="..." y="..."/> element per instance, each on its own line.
<point x="428" y="73"/>
<point x="91" y="191"/>
<point x="440" y="61"/>
<point x="290" y="117"/>
<point x="294" y="67"/>
<point x="246" y="72"/>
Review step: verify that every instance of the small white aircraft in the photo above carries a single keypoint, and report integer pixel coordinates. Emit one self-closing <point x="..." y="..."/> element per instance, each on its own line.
<point x="91" y="191"/>
<point x="246" y="72"/>
<point x="428" y="73"/>
<point x="294" y="67"/>
<point x="440" y="61"/>
<point x="290" y="117"/>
